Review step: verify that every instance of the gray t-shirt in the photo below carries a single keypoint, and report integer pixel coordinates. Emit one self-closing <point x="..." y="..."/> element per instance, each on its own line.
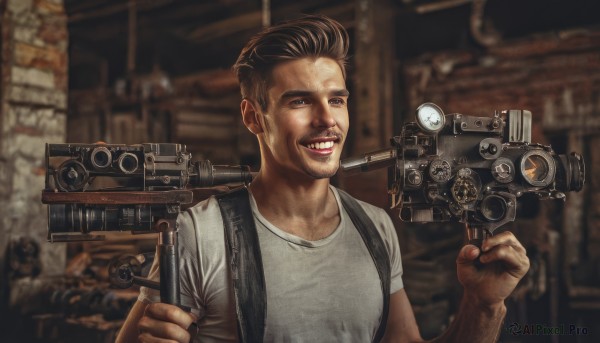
<point x="317" y="291"/>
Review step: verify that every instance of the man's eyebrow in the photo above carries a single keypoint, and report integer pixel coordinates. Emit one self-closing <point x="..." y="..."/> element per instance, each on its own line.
<point x="295" y="93"/>
<point x="341" y="92"/>
<point x="304" y="93"/>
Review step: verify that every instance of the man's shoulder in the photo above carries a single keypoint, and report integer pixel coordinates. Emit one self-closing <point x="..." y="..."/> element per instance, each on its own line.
<point x="385" y="226"/>
<point x="201" y="228"/>
<point x="209" y="204"/>
<point x="206" y="212"/>
<point x="376" y="213"/>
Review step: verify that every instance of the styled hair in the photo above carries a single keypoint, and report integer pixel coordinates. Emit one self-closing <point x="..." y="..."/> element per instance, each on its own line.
<point x="308" y="36"/>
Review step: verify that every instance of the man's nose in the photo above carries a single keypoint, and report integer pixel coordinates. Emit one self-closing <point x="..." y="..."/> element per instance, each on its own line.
<point x="323" y="116"/>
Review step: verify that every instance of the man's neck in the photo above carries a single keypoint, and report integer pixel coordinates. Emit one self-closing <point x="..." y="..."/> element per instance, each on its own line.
<point x="306" y="209"/>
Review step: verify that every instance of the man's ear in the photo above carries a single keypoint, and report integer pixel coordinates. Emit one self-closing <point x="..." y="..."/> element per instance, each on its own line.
<point x="250" y="116"/>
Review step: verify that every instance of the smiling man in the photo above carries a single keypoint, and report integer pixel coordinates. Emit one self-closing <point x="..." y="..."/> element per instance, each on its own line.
<point x="329" y="266"/>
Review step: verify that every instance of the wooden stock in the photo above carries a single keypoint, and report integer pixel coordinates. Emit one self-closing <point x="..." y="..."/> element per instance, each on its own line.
<point x="119" y="198"/>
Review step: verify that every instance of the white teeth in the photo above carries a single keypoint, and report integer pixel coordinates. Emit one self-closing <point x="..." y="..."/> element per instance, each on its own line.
<point x="321" y="145"/>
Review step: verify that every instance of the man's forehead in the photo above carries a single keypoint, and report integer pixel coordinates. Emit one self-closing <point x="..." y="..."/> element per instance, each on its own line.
<point x="303" y="63"/>
<point x="307" y="74"/>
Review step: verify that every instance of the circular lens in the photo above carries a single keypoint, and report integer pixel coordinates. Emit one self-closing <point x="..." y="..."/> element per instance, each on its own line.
<point x="538" y="168"/>
<point x="493" y="208"/>
<point x="101" y="157"/>
<point x="535" y="168"/>
<point x="128" y="163"/>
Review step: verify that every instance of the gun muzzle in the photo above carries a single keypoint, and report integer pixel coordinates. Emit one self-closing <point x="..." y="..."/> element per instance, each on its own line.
<point x="369" y="161"/>
<point x="209" y="175"/>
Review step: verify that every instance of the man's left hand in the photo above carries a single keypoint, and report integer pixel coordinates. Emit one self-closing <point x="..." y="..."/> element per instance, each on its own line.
<point x="504" y="263"/>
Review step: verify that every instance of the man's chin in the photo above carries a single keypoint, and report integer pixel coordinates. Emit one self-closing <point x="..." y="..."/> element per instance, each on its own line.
<point x="321" y="169"/>
<point x="322" y="174"/>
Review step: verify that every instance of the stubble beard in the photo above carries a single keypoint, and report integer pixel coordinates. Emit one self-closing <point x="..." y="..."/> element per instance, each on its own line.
<point x="321" y="173"/>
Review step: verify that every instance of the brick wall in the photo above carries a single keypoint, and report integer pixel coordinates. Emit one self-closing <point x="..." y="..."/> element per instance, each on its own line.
<point x="33" y="96"/>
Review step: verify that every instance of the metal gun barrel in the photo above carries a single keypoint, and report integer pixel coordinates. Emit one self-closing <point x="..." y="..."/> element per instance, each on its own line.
<point x="369" y="161"/>
<point x="208" y="175"/>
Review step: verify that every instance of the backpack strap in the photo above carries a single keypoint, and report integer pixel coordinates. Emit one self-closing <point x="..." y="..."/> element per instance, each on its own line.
<point x="376" y="248"/>
<point x="246" y="265"/>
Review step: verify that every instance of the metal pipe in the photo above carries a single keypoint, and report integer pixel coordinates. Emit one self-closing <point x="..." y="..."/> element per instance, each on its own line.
<point x="169" y="267"/>
<point x="266" y="13"/>
<point x="132" y="37"/>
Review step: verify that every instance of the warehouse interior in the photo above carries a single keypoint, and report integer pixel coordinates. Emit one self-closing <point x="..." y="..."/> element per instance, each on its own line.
<point x="138" y="71"/>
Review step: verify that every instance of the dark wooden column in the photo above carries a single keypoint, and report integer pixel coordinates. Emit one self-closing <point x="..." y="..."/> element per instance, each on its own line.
<point x="373" y="80"/>
<point x="374" y="72"/>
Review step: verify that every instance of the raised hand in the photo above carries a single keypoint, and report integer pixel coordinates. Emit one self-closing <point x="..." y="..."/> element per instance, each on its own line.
<point x="504" y="263"/>
<point x="163" y="322"/>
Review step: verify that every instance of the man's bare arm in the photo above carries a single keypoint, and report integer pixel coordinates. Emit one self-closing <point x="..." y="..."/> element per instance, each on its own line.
<point x="482" y="311"/>
<point x="475" y="323"/>
<point x="482" y="308"/>
<point x="401" y="325"/>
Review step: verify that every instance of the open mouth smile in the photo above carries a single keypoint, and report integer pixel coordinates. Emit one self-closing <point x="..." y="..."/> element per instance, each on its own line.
<point x="320" y="145"/>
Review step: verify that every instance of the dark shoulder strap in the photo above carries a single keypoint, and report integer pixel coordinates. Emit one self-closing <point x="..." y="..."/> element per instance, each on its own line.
<point x="246" y="265"/>
<point x="376" y="248"/>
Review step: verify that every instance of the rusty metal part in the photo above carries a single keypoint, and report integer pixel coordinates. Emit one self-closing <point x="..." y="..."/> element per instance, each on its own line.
<point x="488" y="38"/>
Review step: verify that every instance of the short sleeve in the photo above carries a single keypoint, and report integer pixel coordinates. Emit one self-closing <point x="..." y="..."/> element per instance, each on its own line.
<point x="188" y="269"/>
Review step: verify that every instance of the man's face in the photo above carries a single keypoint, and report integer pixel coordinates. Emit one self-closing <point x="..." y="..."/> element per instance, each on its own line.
<point x="306" y="122"/>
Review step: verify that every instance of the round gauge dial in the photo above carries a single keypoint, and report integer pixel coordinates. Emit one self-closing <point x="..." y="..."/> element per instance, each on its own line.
<point x="538" y="168"/>
<point x="430" y="117"/>
<point x="440" y="170"/>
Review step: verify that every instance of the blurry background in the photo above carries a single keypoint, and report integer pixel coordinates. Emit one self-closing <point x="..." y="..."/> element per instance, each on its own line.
<point x="158" y="71"/>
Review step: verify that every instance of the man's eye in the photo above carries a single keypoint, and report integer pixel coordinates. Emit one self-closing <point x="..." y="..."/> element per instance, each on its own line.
<point x="298" y="102"/>
<point x="337" y="101"/>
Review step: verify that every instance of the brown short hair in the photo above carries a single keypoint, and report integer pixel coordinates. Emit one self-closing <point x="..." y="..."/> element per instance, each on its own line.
<point x="308" y="36"/>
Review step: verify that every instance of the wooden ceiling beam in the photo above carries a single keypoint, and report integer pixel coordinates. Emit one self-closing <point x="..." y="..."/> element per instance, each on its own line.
<point x="181" y="10"/>
<point x="253" y="20"/>
<point x="98" y="13"/>
<point x="75" y="6"/>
